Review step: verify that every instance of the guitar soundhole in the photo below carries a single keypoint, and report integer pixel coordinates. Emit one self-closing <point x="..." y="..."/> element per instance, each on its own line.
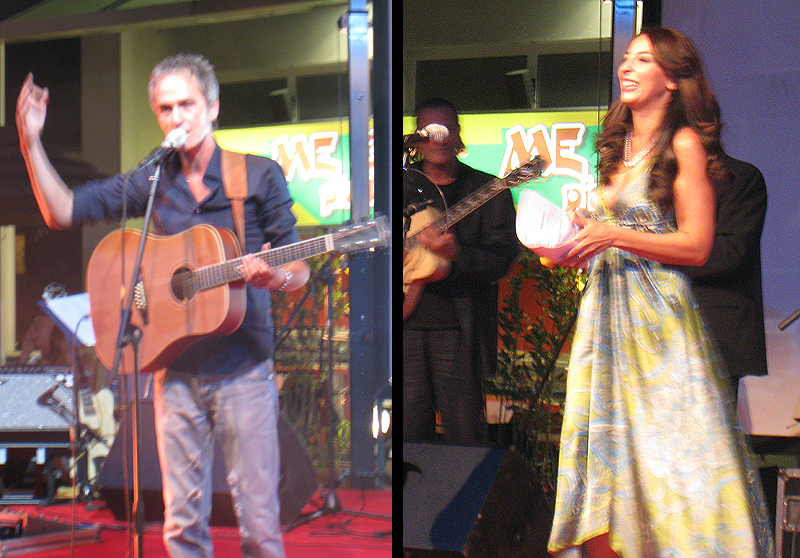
<point x="183" y="286"/>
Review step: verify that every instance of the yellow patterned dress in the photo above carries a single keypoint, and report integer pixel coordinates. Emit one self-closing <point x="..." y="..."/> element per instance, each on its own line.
<point x="650" y="450"/>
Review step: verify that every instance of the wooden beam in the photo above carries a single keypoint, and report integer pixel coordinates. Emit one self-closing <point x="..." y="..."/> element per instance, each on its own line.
<point x="173" y="14"/>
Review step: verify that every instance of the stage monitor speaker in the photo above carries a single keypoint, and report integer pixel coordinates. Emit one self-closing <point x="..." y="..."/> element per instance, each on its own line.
<point x="475" y="501"/>
<point x="20" y="392"/>
<point x="298" y="479"/>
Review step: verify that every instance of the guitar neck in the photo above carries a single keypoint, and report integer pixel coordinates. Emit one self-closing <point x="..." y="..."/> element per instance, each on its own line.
<point x="463" y="208"/>
<point x="211" y="276"/>
<point x="527" y="171"/>
<point x="470" y="204"/>
<point x="86" y="398"/>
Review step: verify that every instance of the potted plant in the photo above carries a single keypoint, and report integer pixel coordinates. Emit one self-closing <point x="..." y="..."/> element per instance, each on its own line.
<point x="302" y="361"/>
<point x="536" y="317"/>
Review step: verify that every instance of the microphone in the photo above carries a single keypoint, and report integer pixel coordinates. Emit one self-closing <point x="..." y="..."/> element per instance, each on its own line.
<point x="175" y="139"/>
<point x="44" y="398"/>
<point x="412" y="208"/>
<point x="431" y="132"/>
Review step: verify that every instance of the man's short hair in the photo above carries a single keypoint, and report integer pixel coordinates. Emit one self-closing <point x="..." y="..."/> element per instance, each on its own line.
<point x="193" y="64"/>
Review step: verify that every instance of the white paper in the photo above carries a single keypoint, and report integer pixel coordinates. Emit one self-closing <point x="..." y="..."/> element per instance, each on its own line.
<point x="544" y="227"/>
<point x="71" y="315"/>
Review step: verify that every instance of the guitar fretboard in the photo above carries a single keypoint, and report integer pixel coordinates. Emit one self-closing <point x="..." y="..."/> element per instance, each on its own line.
<point x="470" y="204"/>
<point x="360" y="236"/>
<point x="528" y="171"/>
<point x="461" y="209"/>
<point x="211" y="276"/>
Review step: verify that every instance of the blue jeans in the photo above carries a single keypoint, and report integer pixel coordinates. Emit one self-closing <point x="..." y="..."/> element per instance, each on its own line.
<point x="243" y="410"/>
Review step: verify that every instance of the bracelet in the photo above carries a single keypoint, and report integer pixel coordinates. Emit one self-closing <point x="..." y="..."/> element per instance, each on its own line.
<point x="287" y="272"/>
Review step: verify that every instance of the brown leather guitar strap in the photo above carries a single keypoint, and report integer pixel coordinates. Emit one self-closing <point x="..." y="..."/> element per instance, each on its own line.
<point x="234" y="177"/>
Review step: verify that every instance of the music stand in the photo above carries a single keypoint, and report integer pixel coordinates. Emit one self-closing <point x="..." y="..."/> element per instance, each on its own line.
<point x="71" y="314"/>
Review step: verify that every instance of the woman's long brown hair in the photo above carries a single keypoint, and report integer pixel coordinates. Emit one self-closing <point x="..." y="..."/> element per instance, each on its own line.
<point x="693" y="104"/>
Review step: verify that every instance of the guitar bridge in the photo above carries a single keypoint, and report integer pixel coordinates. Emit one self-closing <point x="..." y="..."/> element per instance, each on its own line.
<point x="139" y="298"/>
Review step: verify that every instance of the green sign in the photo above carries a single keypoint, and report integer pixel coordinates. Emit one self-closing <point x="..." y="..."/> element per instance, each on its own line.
<point x="498" y="143"/>
<point x="315" y="160"/>
<point x="315" y="157"/>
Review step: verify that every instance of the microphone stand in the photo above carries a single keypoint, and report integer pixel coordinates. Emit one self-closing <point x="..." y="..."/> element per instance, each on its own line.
<point x="131" y="335"/>
<point x="83" y="434"/>
<point x="332" y="504"/>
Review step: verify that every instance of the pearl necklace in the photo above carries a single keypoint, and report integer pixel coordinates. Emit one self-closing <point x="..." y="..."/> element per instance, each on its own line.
<point x="629" y="161"/>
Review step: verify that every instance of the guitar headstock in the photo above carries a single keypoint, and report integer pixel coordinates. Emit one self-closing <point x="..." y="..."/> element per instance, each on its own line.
<point x="363" y="236"/>
<point x="527" y="171"/>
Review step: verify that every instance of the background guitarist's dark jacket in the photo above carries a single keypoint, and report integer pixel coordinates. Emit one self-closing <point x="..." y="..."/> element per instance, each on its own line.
<point x="467" y="298"/>
<point x="728" y="286"/>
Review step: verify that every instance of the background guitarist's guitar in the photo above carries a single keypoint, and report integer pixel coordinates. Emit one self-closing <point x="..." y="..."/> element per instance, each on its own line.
<point x="420" y="266"/>
<point x="190" y="286"/>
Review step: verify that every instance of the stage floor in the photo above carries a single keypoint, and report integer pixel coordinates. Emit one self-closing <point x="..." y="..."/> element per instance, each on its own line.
<point x="362" y="529"/>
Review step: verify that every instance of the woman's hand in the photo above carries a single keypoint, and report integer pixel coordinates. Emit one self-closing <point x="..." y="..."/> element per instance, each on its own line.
<point x="592" y="238"/>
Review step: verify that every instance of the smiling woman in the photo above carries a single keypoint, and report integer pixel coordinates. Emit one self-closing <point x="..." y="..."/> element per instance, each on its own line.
<point x="629" y="484"/>
<point x="642" y="80"/>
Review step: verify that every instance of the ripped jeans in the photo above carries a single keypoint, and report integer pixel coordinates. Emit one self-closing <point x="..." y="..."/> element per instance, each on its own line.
<point x="243" y="411"/>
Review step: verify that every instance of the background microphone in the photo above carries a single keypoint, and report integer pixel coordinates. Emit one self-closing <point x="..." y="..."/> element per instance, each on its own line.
<point x="431" y="132"/>
<point x="175" y="139"/>
<point x="44" y="398"/>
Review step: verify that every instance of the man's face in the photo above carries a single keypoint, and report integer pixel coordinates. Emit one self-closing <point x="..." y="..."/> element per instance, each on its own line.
<point x="440" y="151"/>
<point x="178" y="100"/>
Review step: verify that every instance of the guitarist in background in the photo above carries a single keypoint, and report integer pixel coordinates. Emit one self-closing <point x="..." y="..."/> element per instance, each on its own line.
<point x="450" y="338"/>
<point x="221" y="385"/>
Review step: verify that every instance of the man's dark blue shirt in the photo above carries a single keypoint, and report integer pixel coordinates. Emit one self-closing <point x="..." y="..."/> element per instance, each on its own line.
<point x="268" y="218"/>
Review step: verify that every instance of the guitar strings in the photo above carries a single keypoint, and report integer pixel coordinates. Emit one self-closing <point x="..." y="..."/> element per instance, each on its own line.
<point x="477" y="198"/>
<point x="210" y="276"/>
<point x="213" y="275"/>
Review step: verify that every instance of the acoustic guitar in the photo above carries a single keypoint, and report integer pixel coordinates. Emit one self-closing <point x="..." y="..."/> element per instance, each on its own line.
<point x="420" y="265"/>
<point x="190" y="285"/>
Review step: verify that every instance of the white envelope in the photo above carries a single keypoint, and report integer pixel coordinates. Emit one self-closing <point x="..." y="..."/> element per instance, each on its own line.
<point x="544" y="227"/>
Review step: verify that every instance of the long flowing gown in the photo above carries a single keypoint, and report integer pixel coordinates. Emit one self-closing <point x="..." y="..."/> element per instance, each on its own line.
<point x="650" y="450"/>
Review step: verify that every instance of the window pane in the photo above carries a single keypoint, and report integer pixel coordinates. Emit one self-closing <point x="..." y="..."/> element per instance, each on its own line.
<point x="253" y="103"/>
<point x="572" y="79"/>
<point x="322" y="96"/>
<point x="469" y="83"/>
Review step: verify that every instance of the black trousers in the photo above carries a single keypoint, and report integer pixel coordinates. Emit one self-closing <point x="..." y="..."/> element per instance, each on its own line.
<point x="436" y="377"/>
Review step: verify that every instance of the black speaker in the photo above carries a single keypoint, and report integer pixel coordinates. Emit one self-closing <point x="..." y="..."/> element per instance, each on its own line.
<point x="475" y="501"/>
<point x="298" y="479"/>
<point x="281" y="105"/>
